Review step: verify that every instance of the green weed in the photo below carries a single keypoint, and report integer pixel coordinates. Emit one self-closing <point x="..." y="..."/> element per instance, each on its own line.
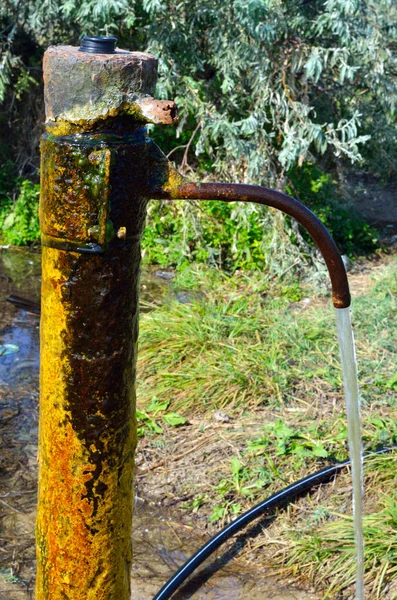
<point x="195" y="505"/>
<point x="19" y="220"/>
<point x="221" y="511"/>
<point x="245" y="481"/>
<point x="149" y="420"/>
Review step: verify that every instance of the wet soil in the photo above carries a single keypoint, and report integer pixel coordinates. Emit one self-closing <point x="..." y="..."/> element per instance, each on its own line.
<point x="164" y="537"/>
<point x="19" y="369"/>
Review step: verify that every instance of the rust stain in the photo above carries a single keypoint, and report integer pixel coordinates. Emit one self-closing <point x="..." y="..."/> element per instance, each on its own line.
<point x="158" y="111"/>
<point x="175" y="187"/>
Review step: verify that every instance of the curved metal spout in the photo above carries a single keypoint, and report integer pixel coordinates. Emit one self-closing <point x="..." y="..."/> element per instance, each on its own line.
<point x="234" y="192"/>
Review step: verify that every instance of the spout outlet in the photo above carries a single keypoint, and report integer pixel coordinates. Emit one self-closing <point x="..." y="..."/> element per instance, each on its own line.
<point x="177" y="188"/>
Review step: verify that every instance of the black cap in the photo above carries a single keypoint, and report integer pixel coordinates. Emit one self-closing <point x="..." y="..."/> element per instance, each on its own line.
<point x="98" y="44"/>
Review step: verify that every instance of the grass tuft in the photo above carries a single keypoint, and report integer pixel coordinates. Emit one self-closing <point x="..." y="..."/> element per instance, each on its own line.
<point x="242" y="342"/>
<point x="324" y="551"/>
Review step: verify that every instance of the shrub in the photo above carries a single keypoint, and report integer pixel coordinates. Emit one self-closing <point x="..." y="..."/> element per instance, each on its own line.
<point x="19" y="220"/>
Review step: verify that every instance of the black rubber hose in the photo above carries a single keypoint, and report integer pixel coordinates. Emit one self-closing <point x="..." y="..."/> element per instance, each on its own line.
<point x="28" y="305"/>
<point x="296" y="489"/>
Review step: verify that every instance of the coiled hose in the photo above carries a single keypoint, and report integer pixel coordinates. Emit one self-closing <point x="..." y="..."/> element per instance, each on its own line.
<point x="292" y="491"/>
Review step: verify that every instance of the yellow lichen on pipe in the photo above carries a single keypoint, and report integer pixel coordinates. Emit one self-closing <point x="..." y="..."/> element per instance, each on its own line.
<point x="96" y="177"/>
<point x="84" y="547"/>
<point x="89" y="332"/>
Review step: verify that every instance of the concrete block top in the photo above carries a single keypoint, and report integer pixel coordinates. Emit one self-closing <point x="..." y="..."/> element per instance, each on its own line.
<point x="87" y="87"/>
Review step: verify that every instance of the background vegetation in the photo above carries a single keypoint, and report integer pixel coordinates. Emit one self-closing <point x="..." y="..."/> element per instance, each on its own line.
<point x="291" y="94"/>
<point x="285" y="94"/>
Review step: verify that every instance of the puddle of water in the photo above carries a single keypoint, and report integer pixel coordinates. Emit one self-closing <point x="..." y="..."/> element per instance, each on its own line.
<point x="19" y="330"/>
<point x="161" y="543"/>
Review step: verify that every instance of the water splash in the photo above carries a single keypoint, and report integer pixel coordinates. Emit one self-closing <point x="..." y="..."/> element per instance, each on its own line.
<point x="349" y="370"/>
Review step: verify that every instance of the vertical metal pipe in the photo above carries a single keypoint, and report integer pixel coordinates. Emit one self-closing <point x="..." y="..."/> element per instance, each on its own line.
<point x="98" y="172"/>
<point x="95" y="172"/>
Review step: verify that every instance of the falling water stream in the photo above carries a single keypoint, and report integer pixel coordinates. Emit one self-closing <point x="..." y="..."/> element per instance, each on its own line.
<point x="349" y="370"/>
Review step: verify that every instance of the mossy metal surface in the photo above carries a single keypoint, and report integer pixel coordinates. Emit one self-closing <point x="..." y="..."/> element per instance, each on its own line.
<point x="84" y="178"/>
<point x="92" y="188"/>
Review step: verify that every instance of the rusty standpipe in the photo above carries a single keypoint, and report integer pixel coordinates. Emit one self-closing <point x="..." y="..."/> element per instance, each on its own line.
<point x="95" y="179"/>
<point x="99" y="170"/>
